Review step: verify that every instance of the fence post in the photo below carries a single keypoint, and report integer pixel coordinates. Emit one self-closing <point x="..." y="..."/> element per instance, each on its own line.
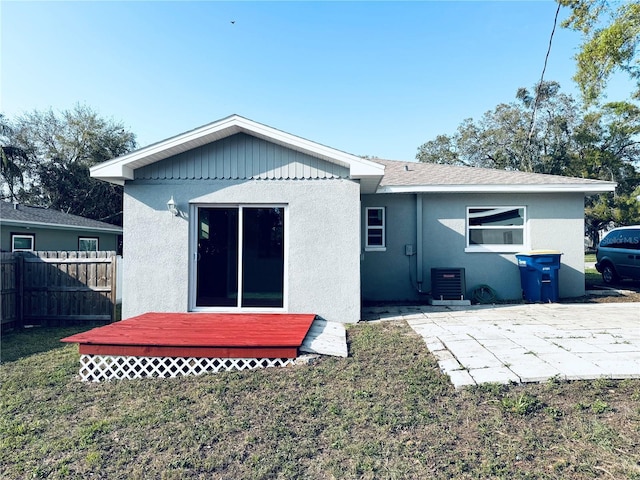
<point x="113" y="287"/>
<point x="20" y="287"/>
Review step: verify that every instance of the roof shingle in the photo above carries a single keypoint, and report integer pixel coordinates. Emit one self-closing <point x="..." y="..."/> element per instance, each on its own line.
<point x="407" y="174"/>
<point x="47" y="216"/>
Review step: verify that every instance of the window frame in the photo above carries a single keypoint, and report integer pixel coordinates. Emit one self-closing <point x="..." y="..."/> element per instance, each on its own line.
<point x="383" y="228"/>
<point x="193" y="247"/>
<point x="497" y="248"/>
<point x="97" y="239"/>
<point x="31" y="236"/>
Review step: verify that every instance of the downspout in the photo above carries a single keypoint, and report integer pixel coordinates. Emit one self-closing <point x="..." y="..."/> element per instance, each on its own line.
<point x="419" y="241"/>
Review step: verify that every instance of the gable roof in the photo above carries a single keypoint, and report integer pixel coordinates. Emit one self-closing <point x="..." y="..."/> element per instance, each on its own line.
<point x="375" y="176"/>
<point x="26" y="216"/>
<point x="122" y="168"/>
<point x="408" y="177"/>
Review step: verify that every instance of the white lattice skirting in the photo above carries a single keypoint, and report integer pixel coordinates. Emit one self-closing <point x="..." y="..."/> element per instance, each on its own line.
<point x="97" y="368"/>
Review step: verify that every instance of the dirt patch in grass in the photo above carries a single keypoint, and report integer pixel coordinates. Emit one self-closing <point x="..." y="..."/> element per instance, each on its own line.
<point x="384" y="412"/>
<point x="627" y="296"/>
<point x="624" y="291"/>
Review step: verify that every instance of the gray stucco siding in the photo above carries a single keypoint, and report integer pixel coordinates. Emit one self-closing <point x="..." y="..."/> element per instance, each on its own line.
<point x="557" y="222"/>
<point x="322" y="242"/>
<point x="390" y="274"/>
<point x="155" y="248"/>
<point x="241" y="157"/>
<point x="554" y="221"/>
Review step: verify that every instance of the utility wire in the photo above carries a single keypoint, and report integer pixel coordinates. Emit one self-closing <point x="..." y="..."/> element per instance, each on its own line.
<point x="539" y="86"/>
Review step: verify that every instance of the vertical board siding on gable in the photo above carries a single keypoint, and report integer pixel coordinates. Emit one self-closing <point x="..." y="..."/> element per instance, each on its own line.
<point x="241" y="157"/>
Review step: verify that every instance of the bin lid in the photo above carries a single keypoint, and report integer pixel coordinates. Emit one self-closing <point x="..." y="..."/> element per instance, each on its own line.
<point x="532" y="253"/>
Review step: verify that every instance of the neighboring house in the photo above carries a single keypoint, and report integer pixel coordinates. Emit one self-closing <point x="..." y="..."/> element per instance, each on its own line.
<point x="239" y="216"/>
<point x="25" y="228"/>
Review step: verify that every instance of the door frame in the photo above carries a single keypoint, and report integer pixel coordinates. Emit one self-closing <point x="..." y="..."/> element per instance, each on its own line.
<point x="193" y="258"/>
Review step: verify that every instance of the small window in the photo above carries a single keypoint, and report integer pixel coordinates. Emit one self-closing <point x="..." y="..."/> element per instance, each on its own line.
<point x="23" y="243"/>
<point x="375" y="229"/>
<point x="496" y="229"/>
<point x="88" y="244"/>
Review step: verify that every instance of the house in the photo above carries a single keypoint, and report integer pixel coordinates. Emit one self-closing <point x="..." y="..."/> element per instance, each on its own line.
<point x="25" y="228"/>
<point x="238" y="216"/>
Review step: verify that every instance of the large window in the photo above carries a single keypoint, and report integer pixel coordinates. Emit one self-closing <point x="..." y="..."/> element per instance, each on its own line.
<point x="496" y="229"/>
<point x="376" y="237"/>
<point x="88" y="244"/>
<point x="23" y="242"/>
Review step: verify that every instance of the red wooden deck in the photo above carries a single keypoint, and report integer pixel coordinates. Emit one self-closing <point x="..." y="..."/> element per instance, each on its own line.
<point x="202" y="335"/>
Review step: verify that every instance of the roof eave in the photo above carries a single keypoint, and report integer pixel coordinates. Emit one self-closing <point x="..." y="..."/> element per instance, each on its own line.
<point x="369" y="183"/>
<point x="112" y="173"/>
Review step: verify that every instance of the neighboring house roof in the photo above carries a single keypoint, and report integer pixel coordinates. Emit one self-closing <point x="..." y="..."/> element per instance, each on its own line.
<point x="121" y="169"/>
<point x="407" y="177"/>
<point x="26" y="216"/>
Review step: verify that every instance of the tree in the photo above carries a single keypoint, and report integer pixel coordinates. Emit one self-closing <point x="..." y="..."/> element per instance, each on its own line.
<point x="564" y="140"/>
<point x="13" y="160"/>
<point x="610" y="41"/>
<point x="608" y="148"/>
<point x="61" y="148"/>
<point x="505" y="137"/>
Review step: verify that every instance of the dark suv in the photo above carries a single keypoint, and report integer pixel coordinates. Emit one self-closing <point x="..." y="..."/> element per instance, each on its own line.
<point x="618" y="254"/>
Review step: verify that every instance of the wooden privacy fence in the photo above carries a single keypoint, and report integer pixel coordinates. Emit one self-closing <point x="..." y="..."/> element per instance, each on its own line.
<point x="9" y="292"/>
<point x="45" y="288"/>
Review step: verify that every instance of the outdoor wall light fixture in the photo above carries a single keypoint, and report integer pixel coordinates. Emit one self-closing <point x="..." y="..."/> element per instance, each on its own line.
<point x="171" y="206"/>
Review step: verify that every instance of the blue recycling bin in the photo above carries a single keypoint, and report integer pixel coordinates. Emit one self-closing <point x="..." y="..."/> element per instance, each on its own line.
<point x="539" y="275"/>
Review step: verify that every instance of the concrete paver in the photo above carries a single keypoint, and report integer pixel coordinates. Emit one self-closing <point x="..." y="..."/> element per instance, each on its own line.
<point x="500" y="374"/>
<point x="531" y="369"/>
<point x="461" y="378"/>
<point x="526" y="343"/>
<point x="575" y="368"/>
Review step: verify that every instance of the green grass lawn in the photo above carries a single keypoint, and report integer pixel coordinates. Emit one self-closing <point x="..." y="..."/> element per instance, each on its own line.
<point x="385" y="412"/>
<point x="592" y="278"/>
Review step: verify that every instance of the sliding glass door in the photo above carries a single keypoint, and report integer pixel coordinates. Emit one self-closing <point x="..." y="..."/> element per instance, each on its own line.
<point x="240" y="257"/>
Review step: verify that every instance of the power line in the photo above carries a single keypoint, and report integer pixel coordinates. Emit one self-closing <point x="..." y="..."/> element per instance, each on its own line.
<point x="544" y="69"/>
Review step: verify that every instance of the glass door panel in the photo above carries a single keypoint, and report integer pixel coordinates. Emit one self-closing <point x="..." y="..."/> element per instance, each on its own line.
<point x="217" y="270"/>
<point x="262" y="257"/>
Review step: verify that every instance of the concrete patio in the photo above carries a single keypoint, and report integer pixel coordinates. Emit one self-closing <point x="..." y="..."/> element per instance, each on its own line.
<point x="526" y="343"/>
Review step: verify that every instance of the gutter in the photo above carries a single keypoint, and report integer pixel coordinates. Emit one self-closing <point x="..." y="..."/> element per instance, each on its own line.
<point x="587" y="189"/>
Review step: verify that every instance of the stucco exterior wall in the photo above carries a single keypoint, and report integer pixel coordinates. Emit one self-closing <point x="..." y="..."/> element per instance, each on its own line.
<point x="56" y="239"/>
<point x="555" y="221"/>
<point x="390" y="274"/>
<point x="323" y="242"/>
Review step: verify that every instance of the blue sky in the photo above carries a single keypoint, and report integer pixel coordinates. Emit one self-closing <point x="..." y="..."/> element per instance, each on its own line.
<point x="369" y="78"/>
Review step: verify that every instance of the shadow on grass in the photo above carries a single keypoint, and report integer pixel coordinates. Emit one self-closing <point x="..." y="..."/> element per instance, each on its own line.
<point x="29" y="341"/>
